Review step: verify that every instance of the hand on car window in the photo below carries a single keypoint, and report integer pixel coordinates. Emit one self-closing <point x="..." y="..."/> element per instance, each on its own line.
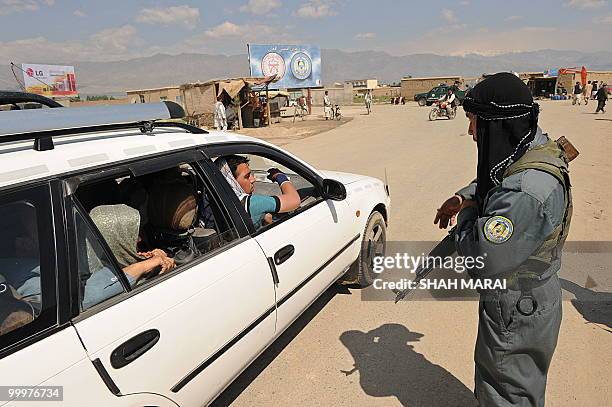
<point x="166" y="263"/>
<point x="154" y="252"/>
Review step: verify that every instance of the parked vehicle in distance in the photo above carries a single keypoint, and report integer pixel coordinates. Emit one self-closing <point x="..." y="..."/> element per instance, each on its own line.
<point x="428" y="98"/>
<point x="89" y="196"/>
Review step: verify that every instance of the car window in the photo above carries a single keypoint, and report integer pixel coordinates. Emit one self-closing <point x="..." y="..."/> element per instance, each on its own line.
<point x="20" y="284"/>
<point x="99" y="278"/>
<point x="27" y="278"/>
<point x="144" y="226"/>
<point x="262" y="215"/>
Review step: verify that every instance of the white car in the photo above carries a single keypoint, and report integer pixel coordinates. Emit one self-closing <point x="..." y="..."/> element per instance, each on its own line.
<point x="81" y="187"/>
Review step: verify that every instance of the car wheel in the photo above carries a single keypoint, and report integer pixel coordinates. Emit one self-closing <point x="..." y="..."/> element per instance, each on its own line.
<point x="373" y="244"/>
<point x="422" y="101"/>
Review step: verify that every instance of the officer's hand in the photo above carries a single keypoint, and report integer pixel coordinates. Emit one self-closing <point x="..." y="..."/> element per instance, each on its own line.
<point x="272" y="173"/>
<point x="448" y="211"/>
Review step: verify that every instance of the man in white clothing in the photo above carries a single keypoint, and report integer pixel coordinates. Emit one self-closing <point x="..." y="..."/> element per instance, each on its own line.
<point x="327" y="107"/>
<point x="220" y="117"/>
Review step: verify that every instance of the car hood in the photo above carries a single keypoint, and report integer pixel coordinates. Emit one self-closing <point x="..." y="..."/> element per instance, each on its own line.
<point x="344" y="177"/>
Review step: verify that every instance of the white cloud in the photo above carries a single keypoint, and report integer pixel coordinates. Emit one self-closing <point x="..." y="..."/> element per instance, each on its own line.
<point x="260" y="6"/>
<point x="175" y="15"/>
<point x="226" y="29"/>
<point x="465" y="3"/>
<point x="494" y="41"/>
<point x="20" y="6"/>
<point x="603" y="19"/>
<point x="365" y="36"/>
<point x="514" y="18"/>
<point x="316" y="9"/>
<point x="229" y="30"/>
<point x="109" y="44"/>
<point x="585" y="3"/>
<point x="449" y="15"/>
<point x="79" y="13"/>
<point x="115" y="40"/>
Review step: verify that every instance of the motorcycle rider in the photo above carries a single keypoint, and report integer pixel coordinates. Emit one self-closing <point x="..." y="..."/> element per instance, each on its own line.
<point x="450" y="100"/>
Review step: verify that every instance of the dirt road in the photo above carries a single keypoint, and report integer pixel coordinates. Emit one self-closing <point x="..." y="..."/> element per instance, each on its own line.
<point x="419" y="353"/>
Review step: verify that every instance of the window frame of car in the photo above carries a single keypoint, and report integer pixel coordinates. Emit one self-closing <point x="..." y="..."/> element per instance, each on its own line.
<point x="274" y="154"/>
<point x="137" y="167"/>
<point x="54" y="278"/>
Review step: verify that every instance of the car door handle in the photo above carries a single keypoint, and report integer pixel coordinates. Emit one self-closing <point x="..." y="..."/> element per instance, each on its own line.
<point x="282" y="255"/>
<point x="134" y="348"/>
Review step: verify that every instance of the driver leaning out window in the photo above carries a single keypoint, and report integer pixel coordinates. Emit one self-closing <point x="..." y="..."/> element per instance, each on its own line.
<point x="260" y="208"/>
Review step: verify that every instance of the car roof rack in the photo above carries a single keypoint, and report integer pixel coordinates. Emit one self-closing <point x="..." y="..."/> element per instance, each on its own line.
<point x="41" y="125"/>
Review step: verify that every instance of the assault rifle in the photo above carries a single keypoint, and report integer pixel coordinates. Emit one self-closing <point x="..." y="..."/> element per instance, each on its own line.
<point x="443" y="249"/>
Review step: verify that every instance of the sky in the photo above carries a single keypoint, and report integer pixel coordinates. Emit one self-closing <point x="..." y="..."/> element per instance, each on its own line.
<point x="54" y="31"/>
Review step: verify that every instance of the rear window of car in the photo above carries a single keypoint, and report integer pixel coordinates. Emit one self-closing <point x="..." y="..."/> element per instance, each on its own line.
<point x="27" y="278"/>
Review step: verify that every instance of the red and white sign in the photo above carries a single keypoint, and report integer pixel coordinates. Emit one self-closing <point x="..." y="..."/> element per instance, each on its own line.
<point x="50" y="80"/>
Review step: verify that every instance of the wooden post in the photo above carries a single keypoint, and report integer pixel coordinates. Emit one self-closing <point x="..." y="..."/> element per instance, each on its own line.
<point x="308" y="102"/>
<point x="239" y="114"/>
<point x="268" y="107"/>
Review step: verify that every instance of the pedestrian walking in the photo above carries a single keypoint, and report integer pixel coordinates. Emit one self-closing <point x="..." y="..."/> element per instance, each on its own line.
<point x="368" y="101"/>
<point x="588" y="89"/>
<point x="220" y="118"/>
<point x="577" y="94"/>
<point x="602" y="98"/>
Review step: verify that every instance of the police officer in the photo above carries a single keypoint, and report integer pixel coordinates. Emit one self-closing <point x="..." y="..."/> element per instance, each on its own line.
<point x="517" y="214"/>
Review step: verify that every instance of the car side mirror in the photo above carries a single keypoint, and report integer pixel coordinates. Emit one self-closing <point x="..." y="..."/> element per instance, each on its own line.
<point x="333" y="190"/>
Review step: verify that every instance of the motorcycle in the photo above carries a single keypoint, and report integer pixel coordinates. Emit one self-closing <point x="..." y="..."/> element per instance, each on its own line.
<point x="439" y="110"/>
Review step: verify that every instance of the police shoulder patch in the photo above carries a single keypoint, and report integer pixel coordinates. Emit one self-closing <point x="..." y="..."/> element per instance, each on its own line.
<point x="498" y="229"/>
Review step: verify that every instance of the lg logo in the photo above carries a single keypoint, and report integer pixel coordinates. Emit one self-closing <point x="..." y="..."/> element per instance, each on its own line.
<point x="31" y="72"/>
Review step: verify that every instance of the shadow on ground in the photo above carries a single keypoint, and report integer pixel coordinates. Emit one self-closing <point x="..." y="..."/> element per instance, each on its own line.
<point x="389" y="366"/>
<point x="594" y="306"/>
<point x="246" y="378"/>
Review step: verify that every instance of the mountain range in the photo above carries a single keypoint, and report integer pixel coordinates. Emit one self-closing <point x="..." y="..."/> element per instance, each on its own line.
<point x="115" y="77"/>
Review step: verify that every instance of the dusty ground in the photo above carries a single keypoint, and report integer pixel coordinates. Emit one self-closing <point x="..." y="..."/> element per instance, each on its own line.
<point x="312" y="363"/>
<point x="288" y="130"/>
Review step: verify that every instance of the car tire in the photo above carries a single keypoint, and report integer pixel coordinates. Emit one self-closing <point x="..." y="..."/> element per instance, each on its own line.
<point x="422" y="102"/>
<point x="373" y="243"/>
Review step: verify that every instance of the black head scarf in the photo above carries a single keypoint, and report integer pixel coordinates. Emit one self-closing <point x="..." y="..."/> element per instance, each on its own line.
<point x="506" y="125"/>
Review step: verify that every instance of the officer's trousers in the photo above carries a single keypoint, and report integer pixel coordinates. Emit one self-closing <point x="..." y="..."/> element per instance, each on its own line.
<point x="513" y="351"/>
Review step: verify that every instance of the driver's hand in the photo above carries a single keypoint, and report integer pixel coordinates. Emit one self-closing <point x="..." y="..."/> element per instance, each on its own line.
<point x="268" y="218"/>
<point x="272" y="173"/>
<point x="447" y="213"/>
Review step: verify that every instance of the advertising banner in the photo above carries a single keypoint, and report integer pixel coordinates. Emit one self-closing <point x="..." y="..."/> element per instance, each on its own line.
<point x="50" y="80"/>
<point x="297" y="66"/>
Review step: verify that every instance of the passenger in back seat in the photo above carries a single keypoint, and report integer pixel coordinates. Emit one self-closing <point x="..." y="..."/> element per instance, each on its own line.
<point x="120" y="227"/>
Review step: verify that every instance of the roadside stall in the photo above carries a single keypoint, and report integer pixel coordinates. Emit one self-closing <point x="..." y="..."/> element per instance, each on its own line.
<point x="242" y="108"/>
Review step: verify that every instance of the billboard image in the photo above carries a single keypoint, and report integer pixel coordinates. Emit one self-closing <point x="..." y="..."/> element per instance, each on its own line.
<point x="298" y="66"/>
<point x="49" y="80"/>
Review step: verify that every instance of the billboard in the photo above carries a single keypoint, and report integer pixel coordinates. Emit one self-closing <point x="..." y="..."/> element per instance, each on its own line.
<point x="49" y="80"/>
<point x="298" y="66"/>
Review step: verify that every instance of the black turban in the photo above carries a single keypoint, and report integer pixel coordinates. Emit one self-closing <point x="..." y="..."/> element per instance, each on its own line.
<point x="506" y="125"/>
